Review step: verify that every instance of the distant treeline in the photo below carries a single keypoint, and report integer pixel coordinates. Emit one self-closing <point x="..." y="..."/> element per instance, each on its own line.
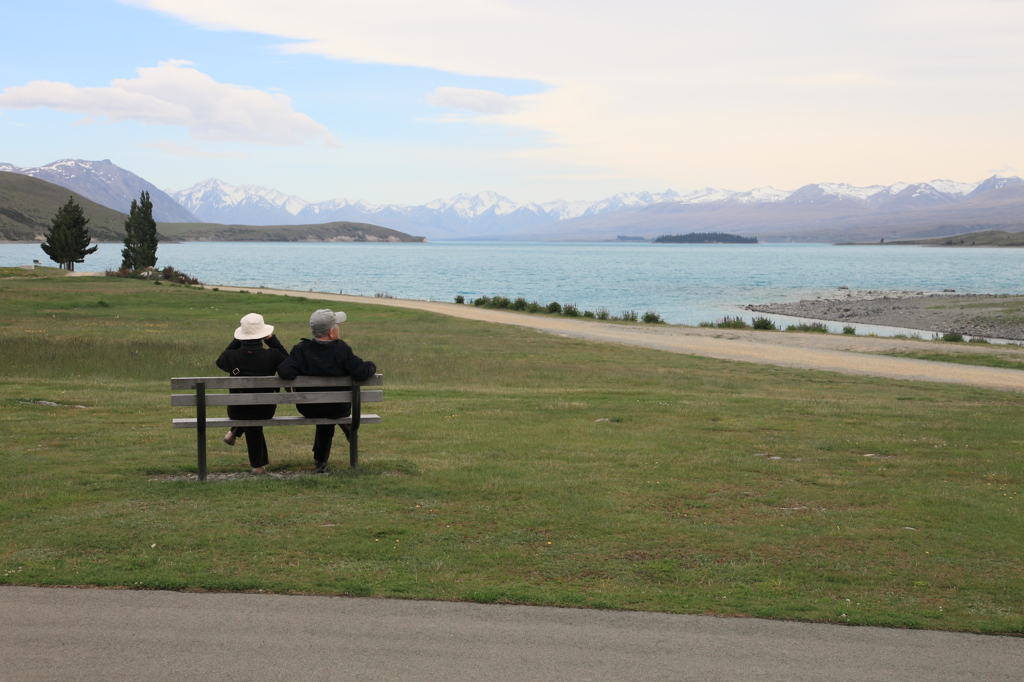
<point x="704" y="238"/>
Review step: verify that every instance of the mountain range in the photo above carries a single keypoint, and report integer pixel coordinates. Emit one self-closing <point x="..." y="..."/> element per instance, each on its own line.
<point x="816" y="212"/>
<point x="108" y="185"/>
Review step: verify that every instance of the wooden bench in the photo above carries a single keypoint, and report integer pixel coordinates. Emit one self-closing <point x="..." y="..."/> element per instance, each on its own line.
<point x="201" y="400"/>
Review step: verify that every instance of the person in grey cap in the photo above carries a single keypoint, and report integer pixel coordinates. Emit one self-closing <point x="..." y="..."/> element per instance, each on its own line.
<point x="325" y="355"/>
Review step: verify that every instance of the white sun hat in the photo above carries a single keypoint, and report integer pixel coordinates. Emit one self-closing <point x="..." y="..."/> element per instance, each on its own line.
<point x="253" y="327"/>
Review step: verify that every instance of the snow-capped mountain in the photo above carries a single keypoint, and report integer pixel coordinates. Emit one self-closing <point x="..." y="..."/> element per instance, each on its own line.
<point x="491" y="215"/>
<point x="107" y="185"/>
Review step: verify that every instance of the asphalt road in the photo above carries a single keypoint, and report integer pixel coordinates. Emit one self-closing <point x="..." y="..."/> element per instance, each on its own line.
<point x="98" y="635"/>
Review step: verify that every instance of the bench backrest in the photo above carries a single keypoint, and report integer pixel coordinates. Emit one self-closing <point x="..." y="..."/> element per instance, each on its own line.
<point x="304" y="396"/>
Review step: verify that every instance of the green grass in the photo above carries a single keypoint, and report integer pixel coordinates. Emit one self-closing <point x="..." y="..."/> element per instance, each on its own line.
<point x="491" y="478"/>
<point x="980" y="359"/>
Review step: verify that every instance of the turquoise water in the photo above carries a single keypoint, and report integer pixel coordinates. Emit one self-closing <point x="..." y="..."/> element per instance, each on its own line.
<point x="685" y="284"/>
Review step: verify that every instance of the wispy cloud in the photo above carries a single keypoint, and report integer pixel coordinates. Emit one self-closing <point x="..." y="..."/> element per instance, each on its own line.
<point x="696" y="91"/>
<point x="190" y="150"/>
<point x="173" y="93"/>
<point x="477" y="101"/>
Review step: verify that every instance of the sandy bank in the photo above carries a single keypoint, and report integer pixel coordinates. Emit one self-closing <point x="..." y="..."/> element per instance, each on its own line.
<point x="999" y="317"/>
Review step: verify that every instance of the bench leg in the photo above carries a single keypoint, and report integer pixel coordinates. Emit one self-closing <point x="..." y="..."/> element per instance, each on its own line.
<point x="201" y="427"/>
<point x="353" y="448"/>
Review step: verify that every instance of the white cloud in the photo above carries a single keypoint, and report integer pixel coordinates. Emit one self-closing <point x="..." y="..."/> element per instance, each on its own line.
<point x="477" y="101"/>
<point x="173" y="93"/>
<point x="735" y="93"/>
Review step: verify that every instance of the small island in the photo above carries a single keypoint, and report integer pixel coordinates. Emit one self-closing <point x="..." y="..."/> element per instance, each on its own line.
<point x="704" y="238"/>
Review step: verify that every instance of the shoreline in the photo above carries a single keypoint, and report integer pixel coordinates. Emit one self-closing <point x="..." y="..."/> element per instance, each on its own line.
<point x="845" y="354"/>
<point x="997" y="316"/>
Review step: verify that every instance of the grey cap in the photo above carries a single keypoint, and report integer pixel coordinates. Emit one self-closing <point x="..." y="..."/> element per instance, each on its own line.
<point x="322" y="320"/>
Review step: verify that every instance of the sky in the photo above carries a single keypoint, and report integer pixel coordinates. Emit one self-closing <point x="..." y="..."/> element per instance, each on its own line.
<point x="405" y="101"/>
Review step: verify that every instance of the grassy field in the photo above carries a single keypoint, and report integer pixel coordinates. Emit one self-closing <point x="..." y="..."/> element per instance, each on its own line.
<point x="1011" y="359"/>
<point x="713" y="486"/>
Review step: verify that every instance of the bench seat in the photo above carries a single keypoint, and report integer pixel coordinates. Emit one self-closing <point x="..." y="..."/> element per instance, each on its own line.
<point x="299" y="391"/>
<point x="191" y="423"/>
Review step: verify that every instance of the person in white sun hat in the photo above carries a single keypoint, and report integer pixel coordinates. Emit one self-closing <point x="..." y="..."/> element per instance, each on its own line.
<point x="247" y="357"/>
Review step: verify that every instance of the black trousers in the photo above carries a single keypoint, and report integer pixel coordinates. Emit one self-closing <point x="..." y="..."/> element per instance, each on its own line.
<point x="324" y="432"/>
<point x="255" y="443"/>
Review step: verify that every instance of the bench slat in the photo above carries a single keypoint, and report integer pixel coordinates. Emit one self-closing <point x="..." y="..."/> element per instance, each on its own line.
<point x="276" y="421"/>
<point x="189" y="383"/>
<point x="189" y="399"/>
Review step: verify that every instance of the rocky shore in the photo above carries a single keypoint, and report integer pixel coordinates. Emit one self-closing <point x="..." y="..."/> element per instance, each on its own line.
<point x="976" y="315"/>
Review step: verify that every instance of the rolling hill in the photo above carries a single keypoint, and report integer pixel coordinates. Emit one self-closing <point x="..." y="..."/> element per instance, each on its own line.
<point x="27" y="204"/>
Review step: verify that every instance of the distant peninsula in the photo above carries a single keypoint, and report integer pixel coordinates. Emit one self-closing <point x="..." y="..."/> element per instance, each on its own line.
<point x="704" y="238"/>
<point x="324" y="232"/>
<point x="982" y="238"/>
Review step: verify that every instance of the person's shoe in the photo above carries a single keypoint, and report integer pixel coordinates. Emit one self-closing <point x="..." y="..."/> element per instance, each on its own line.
<point x="259" y="470"/>
<point x="321" y="467"/>
<point x="230" y="437"/>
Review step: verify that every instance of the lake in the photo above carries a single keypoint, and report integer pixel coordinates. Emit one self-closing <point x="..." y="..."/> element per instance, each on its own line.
<point x="684" y="283"/>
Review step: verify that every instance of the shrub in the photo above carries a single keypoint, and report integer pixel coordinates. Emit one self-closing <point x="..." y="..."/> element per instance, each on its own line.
<point x="500" y="302"/>
<point x="630" y="315"/>
<point x="732" y="323"/>
<point x="978" y="339"/>
<point x="519" y="304"/>
<point x="849" y="329"/>
<point x="460" y="299"/>
<point x="570" y="310"/>
<point x="651" y="317"/>
<point x="534" y="307"/>
<point x="589" y="313"/>
<point x="705" y="324"/>
<point x="763" y="323"/>
<point x="554" y="307"/>
<point x="482" y="301"/>
<point x="953" y="337"/>
<point x="818" y="327"/>
<point x="603" y="314"/>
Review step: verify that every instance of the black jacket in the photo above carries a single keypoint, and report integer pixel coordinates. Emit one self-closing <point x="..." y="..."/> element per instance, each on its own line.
<point x="331" y="359"/>
<point x="251" y="359"/>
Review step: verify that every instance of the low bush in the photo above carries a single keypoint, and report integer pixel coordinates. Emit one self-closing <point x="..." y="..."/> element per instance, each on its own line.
<point x="554" y="307"/>
<point x="570" y="310"/>
<point x="732" y="323"/>
<point x="651" y="317"/>
<point x="519" y="304"/>
<point x="953" y="337"/>
<point x="763" y="323"/>
<point x="460" y="299"/>
<point x="500" y="302"/>
<point x="816" y="327"/>
<point x="603" y="314"/>
<point x="167" y="274"/>
<point x="849" y="329"/>
<point x="978" y="339"/>
<point x="482" y="301"/>
<point x="630" y="315"/>
<point x="535" y="307"/>
<point x="590" y="314"/>
<point x="705" y="324"/>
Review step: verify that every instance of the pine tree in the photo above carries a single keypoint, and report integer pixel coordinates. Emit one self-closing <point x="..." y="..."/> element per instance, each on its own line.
<point x="140" y="240"/>
<point x="67" y="242"/>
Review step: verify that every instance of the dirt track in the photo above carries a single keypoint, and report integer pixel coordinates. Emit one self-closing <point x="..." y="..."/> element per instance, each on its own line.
<point x="825" y="352"/>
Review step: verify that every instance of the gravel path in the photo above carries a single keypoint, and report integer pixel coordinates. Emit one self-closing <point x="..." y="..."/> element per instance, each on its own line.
<point x="826" y="352"/>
